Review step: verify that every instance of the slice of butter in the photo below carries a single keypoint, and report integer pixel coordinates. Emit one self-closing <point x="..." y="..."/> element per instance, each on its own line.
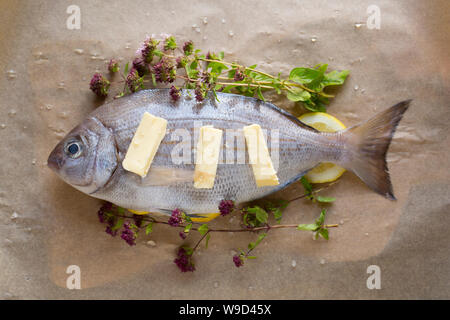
<point x="208" y="151"/>
<point x="144" y="144"/>
<point x="258" y="153"/>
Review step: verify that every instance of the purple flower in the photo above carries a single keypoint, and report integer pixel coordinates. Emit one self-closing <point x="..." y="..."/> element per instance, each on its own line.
<point x="226" y="206"/>
<point x="140" y="65"/>
<point x="164" y="71"/>
<point x="183" y="261"/>
<point x="134" y="81"/>
<point x="99" y="85"/>
<point x="238" y="261"/>
<point x="188" y="48"/>
<point x="175" y="93"/>
<point x="239" y="75"/>
<point x="206" y="78"/>
<point x="110" y="231"/>
<point x="113" y="66"/>
<point x="107" y="206"/>
<point x="138" y="218"/>
<point x="181" y="62"/>
<point x="128" y="234"/>
<point x="199" y="93"/>
<point x="101" y="215"/>
<point x="182" y="235"/>
<point x="176" y="218"/>
<point x="147" y="49"/>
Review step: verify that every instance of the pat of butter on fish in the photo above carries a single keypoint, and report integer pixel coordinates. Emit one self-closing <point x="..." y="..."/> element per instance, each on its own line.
<point x="208" y="151"/>
<point x="145" y="143"/>
<point x="258" y="153"/>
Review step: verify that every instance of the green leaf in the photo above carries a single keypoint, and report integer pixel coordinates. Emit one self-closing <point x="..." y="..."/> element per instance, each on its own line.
<point x="126" y="69"/>
<point x="120" y="210"/>
<point x="186" y="217"/>
<point x="257" y="76"/>
<point x="261" y="214"/>
<point x="315" y="107"/>
<point x="221" y="55"/>
<point x="298" y="94"/>
<point x="189" y="250"/>
<point x="228" y="89"/>
<point x="208" y="236"/>
<point x="306" y="184"/>
<point x="252" y="245"/>
<point x="335" y="78"/>
<point x="153" y="79"/>
<point x="188" y="228"/>
<point x="251" y="257"/>
<point x="149" y="228"/>
<point x="304" y="75"/>
<point x="260" y="238"/>
<point x="316" y="84"/>
<point x="308" y="227"/>
<point x="217" y="67"/>
<point x="118" y="224"/>
<point x="158" y="53"/>
<point x="203" y="229"/>
<point x="170" y="44"/>
<point x="215" y="95"/>
<point x="325" y="199"/>
<point x="191" y="69"/>
<point x="321" y="218"/>
<point x="324" y="233"/>
<point x="278" y="214"/>
<point x="260" y="95"/>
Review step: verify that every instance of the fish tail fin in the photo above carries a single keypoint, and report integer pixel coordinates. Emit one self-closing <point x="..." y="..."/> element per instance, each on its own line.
<point x="369" y="142"/>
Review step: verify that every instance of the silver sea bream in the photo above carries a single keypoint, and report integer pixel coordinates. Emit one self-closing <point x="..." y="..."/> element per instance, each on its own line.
<point x="90" y="156"/>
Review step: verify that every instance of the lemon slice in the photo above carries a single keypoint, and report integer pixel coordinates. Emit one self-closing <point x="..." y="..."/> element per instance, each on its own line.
<point x="326" y="171"/>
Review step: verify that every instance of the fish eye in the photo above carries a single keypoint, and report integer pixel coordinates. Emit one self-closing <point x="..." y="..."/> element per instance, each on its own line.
<point x="73" y="149"/>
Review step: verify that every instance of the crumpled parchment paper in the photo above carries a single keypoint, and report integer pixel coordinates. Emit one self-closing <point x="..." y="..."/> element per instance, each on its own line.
<point x="46" y="225"/>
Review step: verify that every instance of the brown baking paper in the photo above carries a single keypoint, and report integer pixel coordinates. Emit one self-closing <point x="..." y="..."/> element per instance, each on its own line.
<point x="47" y="225"/>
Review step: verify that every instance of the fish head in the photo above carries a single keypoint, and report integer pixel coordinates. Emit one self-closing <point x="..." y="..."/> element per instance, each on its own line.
<point x="87" y="156"/>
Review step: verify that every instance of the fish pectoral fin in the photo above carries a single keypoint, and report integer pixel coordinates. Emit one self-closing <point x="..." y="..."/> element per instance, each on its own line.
<point x="164" y="176"/>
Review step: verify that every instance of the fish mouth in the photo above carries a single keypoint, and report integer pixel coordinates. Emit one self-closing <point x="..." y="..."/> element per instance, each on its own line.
<point x="55" y="160"/>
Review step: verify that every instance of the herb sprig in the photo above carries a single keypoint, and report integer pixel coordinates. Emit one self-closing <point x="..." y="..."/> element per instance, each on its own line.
<point x="254" y="219"/>
<point x="163" y="61"/>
